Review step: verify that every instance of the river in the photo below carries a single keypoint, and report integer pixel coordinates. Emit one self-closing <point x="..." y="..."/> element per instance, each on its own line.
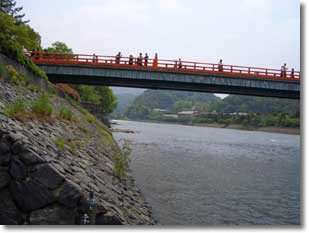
<point x="212" y="176"/>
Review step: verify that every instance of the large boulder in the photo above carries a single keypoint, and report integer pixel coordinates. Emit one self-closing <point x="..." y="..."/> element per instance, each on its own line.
<point x="5" y="153"/>
<point x="17" y="169"/>
<point x="4" y="177"/>
<point x="70" y="195"/>
<point x="30" y="195"/>
<point x="30" y="157"/>
<point x="47" y="176"/>
<point x="9" y="214"/>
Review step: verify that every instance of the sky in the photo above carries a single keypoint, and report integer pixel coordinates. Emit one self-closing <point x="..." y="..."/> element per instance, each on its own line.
<point x="262" y="33"/>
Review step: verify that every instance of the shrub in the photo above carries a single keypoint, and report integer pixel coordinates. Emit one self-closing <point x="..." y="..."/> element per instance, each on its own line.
<point x="15" y="77"/>
<point x="121" y="161"/>
<point x="42" y="106"/>
<point x="69" y="90"/>
<point x="65" y="113"/>
<point x="33" y="88"/>
<point x="59" y="142"/>
<point x="16" y="108"/>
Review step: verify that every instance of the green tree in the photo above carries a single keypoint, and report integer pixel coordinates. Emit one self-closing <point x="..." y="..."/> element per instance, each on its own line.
<point x="102" y="96"/>
<point x="60" y="47"/>
<point x="14" y="37"/>
<point x="9" y="7"/>
<point x="181" y="105"/>
<point x="88" y="94"/>
<point x="108" y="100"/>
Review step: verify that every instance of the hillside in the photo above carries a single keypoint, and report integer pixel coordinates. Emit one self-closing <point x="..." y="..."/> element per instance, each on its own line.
<point x="244" y="112"/>
<point x="54" y="154"/>
<point x="253" y="104"/>
<point x="168" y="100"/>
<point x="123" y="102"/>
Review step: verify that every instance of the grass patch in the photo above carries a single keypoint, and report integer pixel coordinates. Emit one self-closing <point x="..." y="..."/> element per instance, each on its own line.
<point x="42" y="106"/>
<point x="34" y="88"/>
<point x="65" y="113"/>
<point x="59" y="142"/>
<point x="75" y="144"/>
<point x="106" y="137"/>
<point x="51" y="90"/>
<point x="15" y="109"/>
<point x="88" y="116"/>
<point x="15" y="77"/>
<point x="2" y="69"/>
<point x="83" y="129"/>
<point x="121" y="161"/>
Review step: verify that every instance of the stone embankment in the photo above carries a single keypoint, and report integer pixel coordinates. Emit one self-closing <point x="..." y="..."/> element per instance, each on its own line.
<point x="49" y="167"/>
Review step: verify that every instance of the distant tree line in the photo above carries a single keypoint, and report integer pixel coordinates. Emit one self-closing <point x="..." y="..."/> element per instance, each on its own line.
<point x="248" y="111"/>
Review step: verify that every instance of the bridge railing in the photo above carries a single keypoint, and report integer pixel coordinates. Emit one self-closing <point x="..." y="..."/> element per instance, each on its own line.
<point x="162" y="64"/>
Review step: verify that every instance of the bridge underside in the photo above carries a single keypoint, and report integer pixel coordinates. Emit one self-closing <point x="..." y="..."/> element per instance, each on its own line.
<point x="140" y="78"/>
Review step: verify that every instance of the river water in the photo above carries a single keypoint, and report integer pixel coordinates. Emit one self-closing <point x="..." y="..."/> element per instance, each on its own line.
<point x="211" y="176"/>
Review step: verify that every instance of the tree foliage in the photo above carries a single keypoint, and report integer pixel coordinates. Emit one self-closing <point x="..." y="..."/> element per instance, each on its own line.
<point x="14" y="38"/>
<point x="59" y="47"/>
<point x="9" y="7"/>
<point x="102" y="96"/>
<point x="174" y="101"/>
<point x="251" y="104"/>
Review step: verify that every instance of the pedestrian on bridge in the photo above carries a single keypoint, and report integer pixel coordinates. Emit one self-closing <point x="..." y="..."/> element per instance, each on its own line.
<point x="283" y="70"/>
<point x="118" y="57"/>
<point x="131" y="60"/>
<point x="94" y="58"/>
<point x="155" y="61"/>
<point x="146" y="60"/>
<point x="139" y="60"/>
<point x="292" y="73"/>
<point x="220" y="66"/>
<point x="179" y="63"/>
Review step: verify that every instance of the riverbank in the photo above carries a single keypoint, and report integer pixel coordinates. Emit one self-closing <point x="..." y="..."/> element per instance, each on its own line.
<point x="293" y="131"/>
<point x="55" y="157"/>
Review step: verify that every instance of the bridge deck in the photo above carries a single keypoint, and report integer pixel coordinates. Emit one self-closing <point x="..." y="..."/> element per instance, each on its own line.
<point x="168" y="74"/>
<point x="167" y="65"/>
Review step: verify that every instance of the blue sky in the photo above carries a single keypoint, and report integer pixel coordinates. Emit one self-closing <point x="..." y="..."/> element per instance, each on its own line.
<point x="263" y="33"/>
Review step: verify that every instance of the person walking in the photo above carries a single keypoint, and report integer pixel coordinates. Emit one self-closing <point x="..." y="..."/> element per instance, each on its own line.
<point x="283" y="71"/>
<point x="118" y="57"/>
<point x="220" y="66"/>
<point x="179" y="63"/>
<point x="131" y="59"/>
<point x="139" y="60"/>
<point x="155" y="61"/>
<point x="146" y="60"/>
<point x="292" y="73"/>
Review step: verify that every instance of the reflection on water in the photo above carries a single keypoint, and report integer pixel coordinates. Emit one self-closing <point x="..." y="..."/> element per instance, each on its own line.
<point x="210" y="176"/>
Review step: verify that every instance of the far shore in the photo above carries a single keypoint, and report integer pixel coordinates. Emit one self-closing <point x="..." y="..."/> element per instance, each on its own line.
<point x="270" y="129"/>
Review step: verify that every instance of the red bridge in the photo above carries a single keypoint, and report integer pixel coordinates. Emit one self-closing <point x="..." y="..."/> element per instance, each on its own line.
<point x="232" y="78"/>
